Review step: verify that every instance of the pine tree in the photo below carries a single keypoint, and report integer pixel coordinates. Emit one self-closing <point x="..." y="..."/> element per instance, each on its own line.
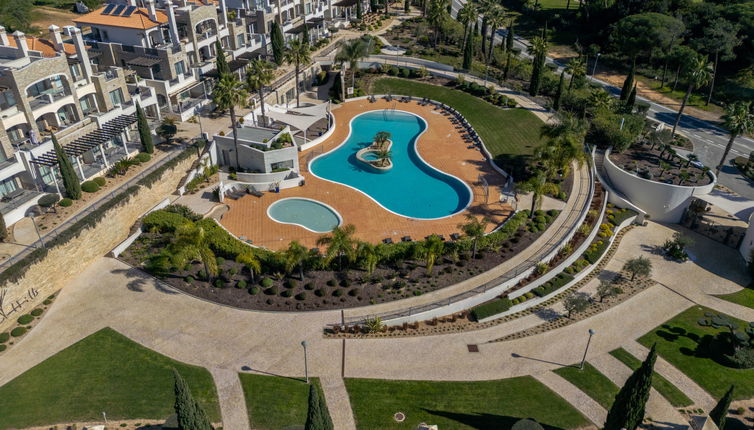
<point x="190" y="415"/>
<point x="631" y="101"/>
<point x="627" y="411"/>
<point x="221" y="62"/>
<point x="628" y="84"/>
<point x="317" y="416"/>
<point x="559" y="94"/>
<point x="468" y="55"/>
<point x="720" y="411"/>
<point x="278" y="44"/>
<point x="358" y="10"/>
<point x="145" y="134"/>
<point x="70" y="180"/>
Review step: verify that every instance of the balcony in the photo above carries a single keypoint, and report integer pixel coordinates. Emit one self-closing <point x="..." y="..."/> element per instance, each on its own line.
<point x="15" y="204"/>
<point x="48" y="97"/>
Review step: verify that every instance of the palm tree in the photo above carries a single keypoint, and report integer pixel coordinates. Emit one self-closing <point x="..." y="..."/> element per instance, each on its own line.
<point x="259" y="74"/>
<point x="467" y="16"/>
<point x="438" y="13"/>
<point x="698" y="74"/>
<point x="295" y="256"/>
<point x="577" y="69"/>
<point x="474" y="229"/>
<point x="690" y="158"/>
<point x="683" y="176"/>
<point x="383" y="156"/>
<point x="599" y="99"/>
<point x="298" y="53"/>
<point x="538" y="186"/>
<point x="496" y="18"/>
<point x="190" y="243"/>
<point x="227" y="94"/>
<point x="430" y="250"/>
<point x="251" y="261"/>
<point x="351" y="52"/>
<point x="663" y="167"/>
<point x="369" y="255"/>
<point x="339" y="243"/>
<point x="565" y="143"/>
<point x="738" y="119"/>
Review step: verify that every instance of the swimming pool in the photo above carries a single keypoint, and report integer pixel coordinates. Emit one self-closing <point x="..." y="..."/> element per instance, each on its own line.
<point x="310" y="214"/>
<point x="412" y="188"/>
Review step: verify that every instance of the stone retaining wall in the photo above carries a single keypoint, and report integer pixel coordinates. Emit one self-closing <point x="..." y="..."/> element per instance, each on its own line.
<point x="65" y="262"/>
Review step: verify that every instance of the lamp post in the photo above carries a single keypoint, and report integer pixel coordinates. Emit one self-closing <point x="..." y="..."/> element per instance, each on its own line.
<point x="104" y="415"/>
<point x="306" y="364"/>
<point x="594" y="69"/>
<point x="33" y="221"/>
<point x="591" y="333"/>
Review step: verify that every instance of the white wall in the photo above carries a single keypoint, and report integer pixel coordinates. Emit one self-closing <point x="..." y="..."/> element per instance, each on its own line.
<point x="748" y="242"/>
<point x="663" y="202"/>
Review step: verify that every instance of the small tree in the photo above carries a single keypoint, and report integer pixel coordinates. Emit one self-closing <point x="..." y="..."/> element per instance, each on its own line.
<point x="145" y="134"/>
<point x="358" y="10"/>
<point x="575" y="303"/>
<point x="559" y="94"/>
<point x="3" y="229"/>
<point x="474" y="229"/>
<point x="295" y="256"/>
<point x="607" y="289"/>
<point x="70" y="179"/>
<point x="221" y="62"/>
<point x="627" y="411"/>
<point x="167" y="129"/>
<point x="638" y="266"/>
<point x="720" y="411"/>
<point x="317" y="416"/>
<point x="278" y="44"/>
<point x="189" y="413"/>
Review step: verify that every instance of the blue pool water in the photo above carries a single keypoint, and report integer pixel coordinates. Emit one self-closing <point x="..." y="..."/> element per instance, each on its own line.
<point x="411" y="188"/>
<point x="309" y="214"/>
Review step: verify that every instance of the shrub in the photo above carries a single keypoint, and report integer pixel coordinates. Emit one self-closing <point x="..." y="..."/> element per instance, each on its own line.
<point x="162" y="221"/>
<point x="289" y="283"/>
<point x="337" y="293"/>
<point x="353" y="292"/>
<point x="272" y="291"/>
<point x="266" y="282"/>
<point x="66" y="202"/>
<point x="4" y="337"/>
<point x="37" y="312"/>
<point x="491" y="308"/>
<point x="219" y="283"/>
<point x="25" y="319"/>
<point x="142" y="157"/>
<point x="100" y="181"/>
<point x="241" y="284"/>
<point x="254" y="291"/>
<point x="552" y="285"/>
<point x="286" y="293"/>
<point x="184" y="211"/>
<point x="301" y="296"/>
<point x="309" y="286"/>
<point x="319" y="292"/>
<point x="3" y="348"/>
<point x="331" y="282"/>
<point x="189" y="279"/>
<point x="89" y="187"/>
<point x="18" y="331"/>
<point x="48" y="200"/>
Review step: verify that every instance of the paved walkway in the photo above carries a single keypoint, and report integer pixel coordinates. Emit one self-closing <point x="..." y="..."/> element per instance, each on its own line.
<point x="231" y="398"/>
<point x="338" y="402"/>
<point x="573" y="395"/>
<point x="110" y="293"/>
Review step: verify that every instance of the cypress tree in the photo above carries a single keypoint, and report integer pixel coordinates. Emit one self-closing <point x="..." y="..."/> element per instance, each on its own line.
<point x="373" y="6"/>
<point x="3" y="229"/>
<point x="631" y="101"/>
<point x="628" y="408"/>
<point x="628" y="84"/>
<point x="476" y="28"/>
<point x="358" y="10"/>
<point x="70" y="179"/>
<point x="221" y="62"/>
<point x="406" y="6"/>
<point x="317" y="416"/>
<point x="305" y="34"/>
<point x="145" y="134"/>
<point x="278" y="44"/>
<point x="190" y="415"/>
<point x="509" y="38"/>
<point x="536" y="74"/>
<point x="720" y="411"/>
<point x="468" y="55"/>
<point x="559" y="94"/>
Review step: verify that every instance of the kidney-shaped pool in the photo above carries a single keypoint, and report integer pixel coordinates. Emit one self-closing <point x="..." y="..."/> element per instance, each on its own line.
<point x="412" y="187"/>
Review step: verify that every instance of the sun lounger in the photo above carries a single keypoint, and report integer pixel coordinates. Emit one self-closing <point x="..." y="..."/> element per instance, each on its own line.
<point x="387" y="240"/>
<point x="406" y="239"/>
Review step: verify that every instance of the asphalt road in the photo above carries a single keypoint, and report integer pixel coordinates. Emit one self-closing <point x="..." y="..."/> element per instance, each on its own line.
<point x="709" y="140"/>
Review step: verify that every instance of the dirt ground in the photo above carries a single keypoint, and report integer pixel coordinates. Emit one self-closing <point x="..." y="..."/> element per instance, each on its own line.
<point x="44" y="16"/>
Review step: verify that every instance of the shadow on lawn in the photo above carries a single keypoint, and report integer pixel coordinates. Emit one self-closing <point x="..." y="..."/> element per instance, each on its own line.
<point x="717" y="347"/>
<point x="483" y="421"/>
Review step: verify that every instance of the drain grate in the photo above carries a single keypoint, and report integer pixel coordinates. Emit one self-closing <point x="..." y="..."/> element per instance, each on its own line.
<point x="473" y="348"/>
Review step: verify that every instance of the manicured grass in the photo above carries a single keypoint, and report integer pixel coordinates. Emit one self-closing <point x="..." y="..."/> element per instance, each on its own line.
<point x="677" y="342"/>
<point x="662" y="385"/>
<point x="103" y="372"/>
<point x="276" y="402"/>
<point x="511" y="135"/>
<point x="592" y="382"/>
<point x="459" y="405"/>
<point x="744" y="297"/>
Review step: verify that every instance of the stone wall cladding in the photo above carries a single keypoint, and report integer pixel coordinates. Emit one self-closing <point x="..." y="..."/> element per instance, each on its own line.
<point x="67" y="261"/>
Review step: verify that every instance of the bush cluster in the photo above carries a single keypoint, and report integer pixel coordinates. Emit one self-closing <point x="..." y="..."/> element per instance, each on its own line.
<point x="552" y="285"/>
<point x="89" y="187"/>
<point x="490" y="308"/>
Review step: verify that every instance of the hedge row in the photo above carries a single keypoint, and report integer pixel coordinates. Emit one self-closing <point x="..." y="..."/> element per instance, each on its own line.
<point x="490" y="308"/>
<point x="16" y="271"/>
<point x="552" y="285"/>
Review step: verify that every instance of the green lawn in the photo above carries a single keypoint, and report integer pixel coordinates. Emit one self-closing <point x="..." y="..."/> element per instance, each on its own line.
<point x="509" y="134"/>
<point x="662" y="385"/>
<point x="744" y="297"/>
<point x="592" y="382"/>
<point x="459" y="405"/>
<point x="276" y="402"/>
<point x="677" y="342"/>
<point x="103" y="372"/>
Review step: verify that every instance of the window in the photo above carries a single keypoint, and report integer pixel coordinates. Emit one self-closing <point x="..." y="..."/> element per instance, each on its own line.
<point x="281" y="165"/>
<point x="16" y="134"/>
<point x="75" y="72"/>
<point x="86" y="106"/>
<point x="308" y="8"/>
<point x="239" y="40"/>
<point x="46" y="174"/>
<point x="180" y="68"/>
<point x="116" y="97"/>
<point x="8" y="186"/>
<point x="7" y="99"/>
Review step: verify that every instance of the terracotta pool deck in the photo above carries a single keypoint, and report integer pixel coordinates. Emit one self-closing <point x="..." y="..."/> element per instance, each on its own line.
<point x="441" y="146"/>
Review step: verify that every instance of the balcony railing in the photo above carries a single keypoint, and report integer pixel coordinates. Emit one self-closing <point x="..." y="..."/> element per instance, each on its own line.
<point x="47" y="98"/>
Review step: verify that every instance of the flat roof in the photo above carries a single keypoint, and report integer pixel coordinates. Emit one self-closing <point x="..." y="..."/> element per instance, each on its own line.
<point x="256" y="134"/>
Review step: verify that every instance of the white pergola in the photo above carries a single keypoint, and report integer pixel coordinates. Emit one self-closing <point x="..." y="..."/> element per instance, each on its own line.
<point x="300" y="118"/>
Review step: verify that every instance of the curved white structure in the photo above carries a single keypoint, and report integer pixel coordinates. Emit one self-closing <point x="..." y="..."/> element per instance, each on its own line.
<point x="663" y="202"/>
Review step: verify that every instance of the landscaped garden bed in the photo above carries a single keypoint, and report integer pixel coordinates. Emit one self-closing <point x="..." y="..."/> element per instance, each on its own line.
<point x="357" y="274"/>
<point x="660" y="163"/>
<point x="24" y="323"/>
